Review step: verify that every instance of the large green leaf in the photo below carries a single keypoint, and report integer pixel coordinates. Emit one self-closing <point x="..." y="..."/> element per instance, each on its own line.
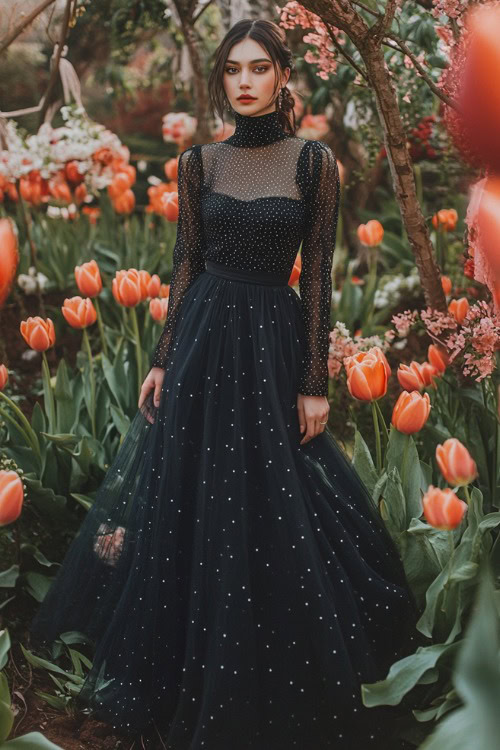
<point x="363" y="462"/>
<point x="404" y="675"/>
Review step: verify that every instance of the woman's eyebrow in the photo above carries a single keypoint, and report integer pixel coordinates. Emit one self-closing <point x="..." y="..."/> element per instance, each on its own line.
<point x="260" y="59"/>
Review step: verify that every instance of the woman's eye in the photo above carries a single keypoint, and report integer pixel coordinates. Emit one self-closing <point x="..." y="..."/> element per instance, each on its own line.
<point x="263" y="68"/>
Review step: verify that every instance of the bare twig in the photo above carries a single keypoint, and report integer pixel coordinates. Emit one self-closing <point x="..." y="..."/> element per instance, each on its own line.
<point x="55" y="68"/>
<point x="347" y="56"/>
<point x="24" y="24"/>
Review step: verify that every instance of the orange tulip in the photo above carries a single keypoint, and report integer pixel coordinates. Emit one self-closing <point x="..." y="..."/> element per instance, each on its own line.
<point x="38" y="333"/>
<point x="120" y="182"/>
<point x="455" y="462"/>
<point x="477" y="76"/>
<point x="446" y="284"/>
<point x="59" y="188"/>
<point x="459" y="309"/>
<point x="80" y="194"/>
<point x="93" y="212"/>
<point x="371" y="233"/>
<point x="144" y="279"/>
<point x="366" y="377"/>
<point x="124" y="203"/>
<point x="158" y="307"/>
<point x="11" y="497"/>
<point x="4" y="376"/>
<point x="72" y="172"/>
<point x="126" y="287"/>
<point x="9" y="257"/>
<point x="153" y="287"/>
<point x="410" y="377"/>
<point x="443" y="509"/>
<point x="438" y="357"/>
<point x="297" y="267"/>
<point x="375" y="351"/>
<point x="170" y="206"/>
<point x="411" y="412"/>
<point x="172" y="168"/>
<point x="428" y="372"/>
<point x="78" y="312"/>
<point x="164" y="290"/>
<point x="88" y="278"/>
<point x="446" y="219"/>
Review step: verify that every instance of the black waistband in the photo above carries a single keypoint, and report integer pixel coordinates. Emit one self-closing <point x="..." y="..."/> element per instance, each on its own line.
<point x="252" y="277"/>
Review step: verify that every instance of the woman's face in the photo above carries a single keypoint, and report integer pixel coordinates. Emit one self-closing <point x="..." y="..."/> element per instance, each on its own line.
<point x="249" y="70"/>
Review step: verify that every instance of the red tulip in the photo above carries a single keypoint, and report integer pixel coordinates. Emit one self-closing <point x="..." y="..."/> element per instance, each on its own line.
<point x="455" y="462"/>
<point x="11" y="497"/>
<point x="443" y="509"/>
<point x="78" y="312"/>
<point x="126" y="287"/>
<point x="9" y="257"/>
<point x="4" y="376"/>
<point x="371" y="233"/>
<point x="297" y="267"/>
<point x="411" y="412"/>
<point x="38" y="333"/>
<point x="88" y="278"/>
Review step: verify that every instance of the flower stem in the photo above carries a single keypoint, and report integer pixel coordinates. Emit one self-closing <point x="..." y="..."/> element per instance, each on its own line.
<point x="28" y="432"/>
<point x="101" y="328"/>
<point x="138" y="349"/>
<point x="86" y="343"/>
<point x="385" y="431"/>
<point x="377" y="437"/>
<point x="50" y="406"/>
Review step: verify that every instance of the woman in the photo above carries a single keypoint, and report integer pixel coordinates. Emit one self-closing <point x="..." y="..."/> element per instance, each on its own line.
<point x="233" y="572"/>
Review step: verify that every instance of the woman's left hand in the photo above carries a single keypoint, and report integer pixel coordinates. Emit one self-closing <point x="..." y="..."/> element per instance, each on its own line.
<point x="311" y="411"/>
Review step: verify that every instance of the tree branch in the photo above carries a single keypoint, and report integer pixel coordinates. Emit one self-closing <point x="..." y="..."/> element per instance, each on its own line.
<point x="24" y="24"/>
<point x="347" y="56"/>
<point x="55" y="68"/>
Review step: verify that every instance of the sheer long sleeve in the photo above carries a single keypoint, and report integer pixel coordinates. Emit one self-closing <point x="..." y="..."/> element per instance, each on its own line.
<point x="188" y="259"/>
<point x="315" y="280"/>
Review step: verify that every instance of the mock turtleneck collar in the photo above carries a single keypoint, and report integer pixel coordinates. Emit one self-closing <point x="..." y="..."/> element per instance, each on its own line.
<point x="258" y="130"/>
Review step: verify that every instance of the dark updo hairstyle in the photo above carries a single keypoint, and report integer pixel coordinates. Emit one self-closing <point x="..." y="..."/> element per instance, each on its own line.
<point x="272" y="37"/>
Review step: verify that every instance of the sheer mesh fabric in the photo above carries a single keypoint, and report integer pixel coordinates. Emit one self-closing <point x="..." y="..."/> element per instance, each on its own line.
<point x="250" y="207"/>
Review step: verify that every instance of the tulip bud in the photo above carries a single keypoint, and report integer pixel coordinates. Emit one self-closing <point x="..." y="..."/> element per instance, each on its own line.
<point x="88" y="278"/>
<point x="38" y="333"/>
<point x="4" y="376"/>
<point x="158" y="307"/>
<point x="11" y="497"/>
<point x="126" y="287"/>
<point x="411" y="412"/>
<point x="443" y="509"/>
<point x="459" y="309"/>
<point x="371" y="234"/>
<point x="366" y="376"/>
<point x="78" y="312"/>
<point x="438" y="357"/>
<point x="446" y="284"/>
<point x="410" y="377"/>
<point x="455" y="462"/>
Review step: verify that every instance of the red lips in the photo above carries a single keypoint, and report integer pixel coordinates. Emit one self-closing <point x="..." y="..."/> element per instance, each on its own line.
<point x="247" y="98"/>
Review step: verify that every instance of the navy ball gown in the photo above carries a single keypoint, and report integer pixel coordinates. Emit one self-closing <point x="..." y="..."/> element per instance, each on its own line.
<point x="238" y="586"/>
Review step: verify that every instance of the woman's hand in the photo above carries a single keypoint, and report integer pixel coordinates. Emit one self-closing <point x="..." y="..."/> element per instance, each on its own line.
<point x="153" y="380"/>
<point x="311" y="411"/>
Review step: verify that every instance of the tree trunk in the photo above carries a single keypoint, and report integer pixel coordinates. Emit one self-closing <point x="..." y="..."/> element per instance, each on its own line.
<point x="368" y="41"/>
<point x="203" y="133"/>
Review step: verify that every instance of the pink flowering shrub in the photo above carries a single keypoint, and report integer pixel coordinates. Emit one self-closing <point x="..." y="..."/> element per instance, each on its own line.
<point x="476" y="341"/>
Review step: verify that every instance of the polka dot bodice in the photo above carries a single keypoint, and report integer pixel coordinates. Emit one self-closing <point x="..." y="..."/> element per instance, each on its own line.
<point x="248" y="202"/>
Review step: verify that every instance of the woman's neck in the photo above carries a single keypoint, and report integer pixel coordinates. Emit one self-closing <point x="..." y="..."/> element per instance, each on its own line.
<point x="256" y="130"/>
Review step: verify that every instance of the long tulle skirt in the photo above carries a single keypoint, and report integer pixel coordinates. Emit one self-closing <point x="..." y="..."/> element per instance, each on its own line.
<point x="238" y="587"/>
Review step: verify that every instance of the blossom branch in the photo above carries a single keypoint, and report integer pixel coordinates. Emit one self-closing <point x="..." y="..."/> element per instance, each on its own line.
<point x="347" y="56"/>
